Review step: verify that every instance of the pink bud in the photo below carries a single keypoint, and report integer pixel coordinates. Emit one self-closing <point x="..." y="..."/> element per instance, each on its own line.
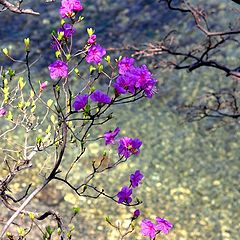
<point x="3" y="112"/>
<point x="43" y="86"/>
<point x="92" y="39"/>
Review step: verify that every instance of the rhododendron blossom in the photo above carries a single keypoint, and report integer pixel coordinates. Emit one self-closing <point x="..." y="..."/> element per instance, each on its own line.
<point x="95" y="54"/>
<point x="100" y="97"/>
<point x="163" y="225"/>
<point x="136" y="178"/>
<point x="125" y="195"/>
<point x="128" y="146"/>
<point x="125" y="64"/>
<point x="58" y="69"/>
<point x="80" y="102"/>
<point x="110" y="136"/>
<point x="69" y="7"/>
<point x="148" y="229"/>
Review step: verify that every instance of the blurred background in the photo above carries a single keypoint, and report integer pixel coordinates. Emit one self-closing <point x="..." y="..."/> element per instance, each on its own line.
<point x="191" y="168"/>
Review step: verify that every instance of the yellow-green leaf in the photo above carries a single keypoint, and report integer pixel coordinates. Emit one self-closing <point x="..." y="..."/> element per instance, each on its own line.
<point x="21" y="231"/>
<point x="31" y="215"/>
<point x="49" y="102"/>
<point x="90" y="31"/>
<point x="31" y="93"/>
<point x="5" y="51"/>
<point x="21" y="83"/>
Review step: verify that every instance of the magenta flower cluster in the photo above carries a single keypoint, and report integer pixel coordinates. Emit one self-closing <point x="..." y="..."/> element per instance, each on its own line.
<point x="97" y="96"/>
<point x="149" y="229"/>
<point x="132" y="79"/>
<point x="125" y="195"/>
<point x="69" y="8"/>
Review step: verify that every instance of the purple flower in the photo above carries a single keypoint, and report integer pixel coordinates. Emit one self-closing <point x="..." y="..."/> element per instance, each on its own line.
<point x="125" y="195"/>
<point x="128" y="146"/>
<point x="58" y="69"/>
<point x="92" y="39"/>
<point x="95" y="54"/>
<point x="124" y="84"/>
<point x="110" y="136"/>
<point x="69" y="7"/>
<point x="80" y="102"/>
<point x="67" y="29"/>
<point x="144" y="80"/>
<point x="135" y="178"/>
<point x="148" y="229"/>
<point x="100" y="97"/>
<point x="136" y="214"/>
<point x="3" y="112"/>
<point x="163" y="225"/>
<point x="125" y="64"/>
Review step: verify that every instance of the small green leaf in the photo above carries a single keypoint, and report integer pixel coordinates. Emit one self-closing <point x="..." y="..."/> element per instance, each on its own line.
<point x="21" y="83"/>
<point x="57" y="54"/>
<point x="21" y="231"/>
<point x="9" y="116"/>
<point x="108" y="59"/>
<point x="27" y="43"/>
<point x="76" y="210"/>
<point x="68" y="57"/>
<point x="31" y="215"/>
<point x="90" y="31"/>
<point x="33" y="107"/>
<point x="53" y="119"/>
<point x="48" y="129"/>
<point x="91" y="69"/>
<point x="50" y="230"/>
<point x="39" y="140"/>
<point x="60" y="36"/>
<point x="62" y="22"/>
<point x="49" y="102"/>
<point x="32" y="94"/>
<point x="80" y="19"/>
<point x="76" y="71"/>
<point x="100" y="68"/>
<point x="5" y="51"/>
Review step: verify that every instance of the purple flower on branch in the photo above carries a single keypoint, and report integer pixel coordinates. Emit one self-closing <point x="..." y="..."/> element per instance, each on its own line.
<point x="163" y="225"/>
<point x="110" y="136"/>
<point x="124" y="84"/>
<point x="148" y="229"/>
<point x="58" y="69"/>
<point x="144" y="80"/>
<point x="95" y="54"/>
<point x="67" y="29"/>
<point x="100" y="97"/>
<point x="128" y="146"/>
<point x="80" y="102"/>
<point x="125" y="195"/>
<point x="136" y="178"/>
<point x="136" y="214"/>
